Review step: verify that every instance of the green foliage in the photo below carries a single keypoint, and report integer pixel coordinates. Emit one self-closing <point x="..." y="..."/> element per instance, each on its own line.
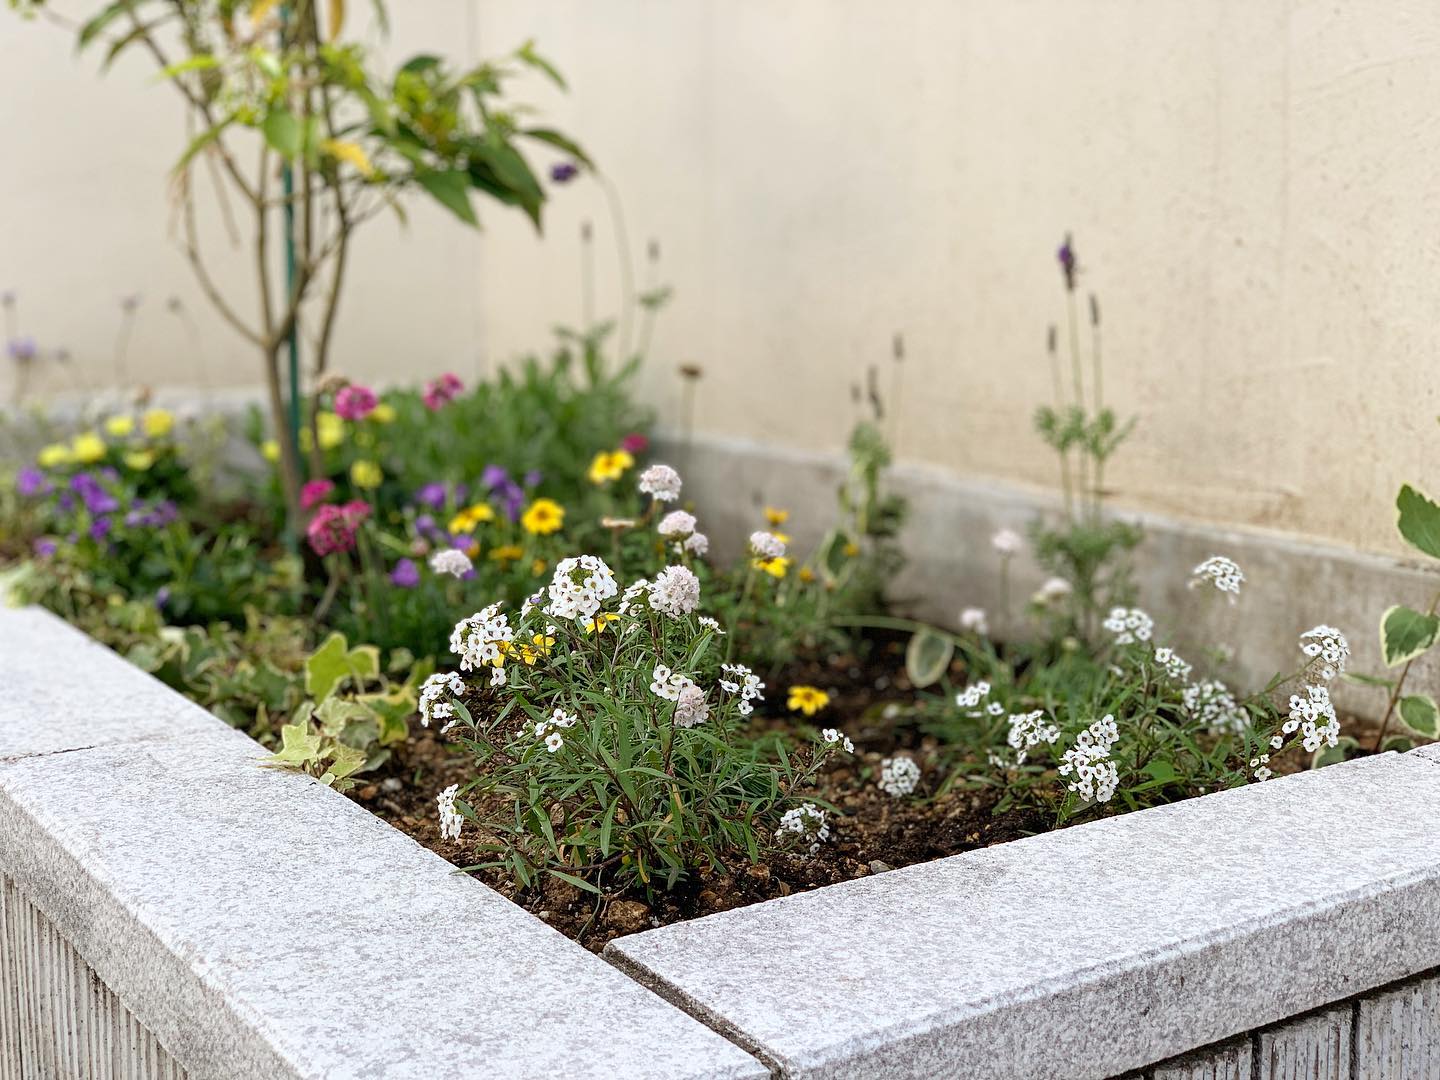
<point x="1418" y="520"/>
<point x="1406" y="633"/>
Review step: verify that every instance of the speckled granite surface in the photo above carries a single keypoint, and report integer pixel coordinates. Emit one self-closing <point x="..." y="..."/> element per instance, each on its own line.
<point x="1088" y="952"/>
<point x="263" y="926"/>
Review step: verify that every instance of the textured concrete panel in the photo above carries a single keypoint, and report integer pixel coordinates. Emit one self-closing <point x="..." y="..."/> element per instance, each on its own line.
<point x="1397" y="1033"/>
<point x="57" y="1019"/>
<point x="1229" y="1061"/>
<point x="1089" y="952"/>
<point x="1314" y="1047"/>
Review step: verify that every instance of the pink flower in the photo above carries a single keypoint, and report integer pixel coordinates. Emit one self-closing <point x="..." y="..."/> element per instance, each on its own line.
<point x="635" y="443"/>
<point x="315" y="492"/>
<point x="333" y="527"/>
<point x="355" y="402"/>
<point x="440" y="391"/>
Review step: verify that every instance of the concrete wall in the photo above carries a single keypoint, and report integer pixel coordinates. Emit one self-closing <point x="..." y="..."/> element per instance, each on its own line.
<point x="1249" y="183"/>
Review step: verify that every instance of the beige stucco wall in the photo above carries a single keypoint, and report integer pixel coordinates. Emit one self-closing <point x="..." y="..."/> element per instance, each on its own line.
<point x="1251" y="185"/>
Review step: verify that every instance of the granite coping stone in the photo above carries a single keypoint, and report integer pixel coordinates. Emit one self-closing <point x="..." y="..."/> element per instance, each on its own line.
<point x="264" y="926"/>
<point x="1087" y="952"/>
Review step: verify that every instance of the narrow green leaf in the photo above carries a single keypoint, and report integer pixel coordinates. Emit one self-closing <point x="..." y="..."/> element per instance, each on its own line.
<point x="451" y="188"/>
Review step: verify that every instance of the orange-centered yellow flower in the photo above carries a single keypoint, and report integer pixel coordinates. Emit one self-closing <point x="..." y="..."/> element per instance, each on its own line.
<point x="466" y="520"/>
<point x="601" y="621"/>
<point x="807" y="699"/>
<point x="543" y="517"/>
<point x="776" y="567"/>
<point x="609" y="465"/>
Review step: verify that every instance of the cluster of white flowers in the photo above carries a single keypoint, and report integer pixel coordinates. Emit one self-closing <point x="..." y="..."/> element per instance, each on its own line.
<point x="451" y="821"/>
<point x="1028" y="730"/>
<point x="972" y="620"/>
<point x="806" y="821"/>
<point x="972" y="695"/>
<point x="690" y="707"/>
<point x="675" y="591"/>
<point x="1096" y="776"/>
<point x="668" y="684"/>
<point x="744" y="682"/>
<point x="697" y="544"/>
<point x="1212" y="705"/>
<point x="835" y="737"/>
<point x="1129" y="625"/>
<point x="898" y="776"/>
<point x="1052" y="591"/>
<point x="661" y="482"/>
<point x="451" y="561"/>
<point x="632" y="592"/>
<point x="478" y="639"/>
<point x="710" y="624"/>
<point x="578" y="588"/>
<point x="1007" y="542"/>
<point x="1315" y="717"/>
<point x="431" y="692"/>
<point x="1221" y="572"/>
<point x="1171" y="663"/>
<point x="549" y="730"/>
<point x="766" y="545"/>
<point x="1261" y="765"/>
<point x="676" y="524"/>
<point x="1328" y="648"/>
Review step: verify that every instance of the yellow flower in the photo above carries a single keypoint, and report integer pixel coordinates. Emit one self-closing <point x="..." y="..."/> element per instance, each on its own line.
<point x="774" y="517"/>
<point x="157" y="423"/>
<point x="807" y="699"/>
<point x="473" y="551"/>
<point x="139" y="460"/>
<point x="543" y="517"/>
<point x="330" y="429"/>
<point x="601" y="621"/>
<point x="541" y="647"/>
<point x="784" y="538"/>
<point x="350" y="153"/>
<point x="775" y="567"/>
<point x="366" y="474"/>
<point x="852" y="549"/>
<point x="507" y="553"/>
<point x="538" y="567"/>
<point x="52" y="455"/>
<point x="807" y="575"/>
<point x="119" y="426"/>
<point x="609" y="465"/>
<point x="87" y="448"/>
<point x="466" y="520"/>
<point x="270" y="450"/>
<point x="383" y="413"/>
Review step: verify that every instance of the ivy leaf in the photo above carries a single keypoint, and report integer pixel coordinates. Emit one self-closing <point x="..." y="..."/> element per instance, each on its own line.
<point x="927" y="656"/>
<point x="334" y="661"/>
<point x="1421" y="715"/>
<point x="1406" y="633"/>
<point x="1419" y="520"/>
<point x="298" y="746"/>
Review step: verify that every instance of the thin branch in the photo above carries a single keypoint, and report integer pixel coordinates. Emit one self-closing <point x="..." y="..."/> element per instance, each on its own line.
<point x="207" y="283"/>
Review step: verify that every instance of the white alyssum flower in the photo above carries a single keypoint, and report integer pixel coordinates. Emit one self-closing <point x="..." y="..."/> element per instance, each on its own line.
<point x="1129" y="625"/>
<point x="497" y="676"/>
<point x="667" y="684"/>
<point x="807" y="822"/>
<point x="766" y="545"/>
<point x="697" y="544"/>
<point x="579" y="586"/>
<point x="973" y="695"/>
<point x="1096" y="776"/>
<point x="1221" y="572"/>
<point x="1314" y="715"/>
<point x="661" y="482"/>
<point x="675" y="591"/>
<point x="1329" y="649"/>
<point x="1171" y="663"/>
<point x="972" y="620"/>
<point x="477" y="640"/>
<point x="1007" y="542"/>
<point x="690" y="706"/>
<point x="632" y="593"/>
<point x="898" y="776"/>
<point x="451" y="820"/>
<point x="676" y="524"/>
<point x="744" y="682"/>
<point x="451" y="561"/>
<point x="433" y="690"/>
<point x="1052" y="591"/>
<point x="1261" y="765"/>
<point x="554" y="741"/>
<point x="1212" y="705"/>
<point x="710" y="624"/>
<point x="1028" y="730"/>
<point x="835" y="737"/>
<point x="995" y="708"/>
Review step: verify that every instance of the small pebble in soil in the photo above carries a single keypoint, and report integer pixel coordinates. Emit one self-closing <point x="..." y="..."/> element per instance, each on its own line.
<point x="392" y="784"/>
<point x="627" y="916"/>
<point x="879" y="866"/>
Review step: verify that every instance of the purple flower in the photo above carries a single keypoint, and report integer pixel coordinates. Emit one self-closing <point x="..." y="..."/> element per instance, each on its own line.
<point x="22" y="349"/>
<point x="492" y="476"/>
<point x="432" y="495"/>
<point x="1066" y="255"/>
<point x="406" y="574"/>
<point x="162" y="597"/>
<point x="564" y="172"/>
<point x="97" y="500"/>
<point x="65" y="501"/>
<point x="533" y="478"/>
<point x="99" y="528"/>
<point x="31" y="481"/>
<point x="45" y="546"/>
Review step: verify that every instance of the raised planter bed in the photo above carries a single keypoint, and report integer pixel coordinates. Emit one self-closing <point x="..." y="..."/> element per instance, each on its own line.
<point x="169" y="907"/>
